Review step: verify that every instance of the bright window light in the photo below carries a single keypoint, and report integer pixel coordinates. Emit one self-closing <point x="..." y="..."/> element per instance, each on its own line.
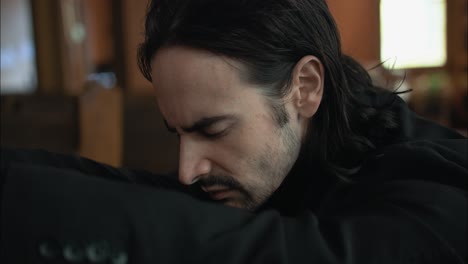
<point x="17" y="50"/>
<point x="413" y="33"/>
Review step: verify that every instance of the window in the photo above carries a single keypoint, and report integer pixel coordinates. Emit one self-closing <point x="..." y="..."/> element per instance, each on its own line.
<point x="17" y="52"/>
<point x="413" y="33"/>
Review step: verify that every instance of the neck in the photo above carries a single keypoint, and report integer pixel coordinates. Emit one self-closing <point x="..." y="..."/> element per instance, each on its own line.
<point x="303" y="188"/>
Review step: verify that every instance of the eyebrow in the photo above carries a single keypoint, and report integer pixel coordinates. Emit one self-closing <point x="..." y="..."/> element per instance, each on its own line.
<point x="202" y="124"/>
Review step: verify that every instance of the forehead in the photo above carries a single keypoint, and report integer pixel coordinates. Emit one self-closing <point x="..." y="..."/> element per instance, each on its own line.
<point x="191" y="83"/>
<point x="194" y="68"/>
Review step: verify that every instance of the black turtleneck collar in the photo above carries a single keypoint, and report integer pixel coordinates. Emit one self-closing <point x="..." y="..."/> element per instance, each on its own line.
<point x="303" y="188"/>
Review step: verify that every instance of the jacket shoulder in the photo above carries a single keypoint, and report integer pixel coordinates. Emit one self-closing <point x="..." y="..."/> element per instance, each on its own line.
<point x="442" y="161"/>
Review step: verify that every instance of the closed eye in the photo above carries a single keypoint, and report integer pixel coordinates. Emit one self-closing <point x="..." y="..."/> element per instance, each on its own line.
<point x="210" y="128"/>
<point x="214" y="135"/>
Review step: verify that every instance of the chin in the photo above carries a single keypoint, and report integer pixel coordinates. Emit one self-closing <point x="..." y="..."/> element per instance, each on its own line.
<point x="234" y="203"/>
<point x="240" y="204"/>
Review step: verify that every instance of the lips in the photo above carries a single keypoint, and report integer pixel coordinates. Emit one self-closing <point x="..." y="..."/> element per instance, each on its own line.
<point x="214" y="188"/>
<point x="220" y="195"/>
<point x="217" y="192"/>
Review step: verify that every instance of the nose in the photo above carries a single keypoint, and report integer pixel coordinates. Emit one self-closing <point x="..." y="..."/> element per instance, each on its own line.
<point x="192" y="161"/>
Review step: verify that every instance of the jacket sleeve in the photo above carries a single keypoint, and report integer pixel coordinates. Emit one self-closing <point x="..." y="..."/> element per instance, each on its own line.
<point x="55" y="215"/>
<point x="70" y="162"/>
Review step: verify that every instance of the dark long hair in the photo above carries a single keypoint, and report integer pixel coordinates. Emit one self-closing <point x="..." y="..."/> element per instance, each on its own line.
<point x="269" y="38"/>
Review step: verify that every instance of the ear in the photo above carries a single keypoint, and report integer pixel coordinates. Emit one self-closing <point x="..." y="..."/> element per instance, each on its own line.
<point x="307" y="85"/>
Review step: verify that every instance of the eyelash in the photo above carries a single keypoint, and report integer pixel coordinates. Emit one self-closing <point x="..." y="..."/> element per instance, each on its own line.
<point x="208" y="135"/>
<point x="215" y="135"/>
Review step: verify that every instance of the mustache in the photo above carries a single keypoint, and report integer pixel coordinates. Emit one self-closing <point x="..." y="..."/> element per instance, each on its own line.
<point x="222" y="180"/>
<point x="226" y="181"/>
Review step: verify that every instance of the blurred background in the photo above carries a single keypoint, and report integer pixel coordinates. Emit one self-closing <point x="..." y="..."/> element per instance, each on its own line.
<point x="70" y="81"/>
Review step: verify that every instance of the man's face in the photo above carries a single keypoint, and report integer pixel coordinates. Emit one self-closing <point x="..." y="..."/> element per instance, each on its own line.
<point x="229" y="140"/>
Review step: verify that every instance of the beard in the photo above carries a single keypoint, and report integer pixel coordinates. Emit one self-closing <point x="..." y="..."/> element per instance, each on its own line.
<point x="266" y="170"/>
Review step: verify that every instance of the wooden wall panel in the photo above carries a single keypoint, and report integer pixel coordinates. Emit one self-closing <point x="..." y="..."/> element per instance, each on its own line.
<point x="48" y="47"/>
<point x="100" y="124"/>
<point x="99" y="18"/>
<point x="147" y="143"/>
<point x="60" y="46"/>
<point x="47" y="122"/>
<point x="133" y="14"/>
<point x="359" y="25"/>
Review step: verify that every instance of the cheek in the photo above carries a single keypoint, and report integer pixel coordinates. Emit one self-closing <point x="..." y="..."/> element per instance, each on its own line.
<point x="229" y="156"/>
<point x="242" y="149"/>
<point x="233" y="153"/>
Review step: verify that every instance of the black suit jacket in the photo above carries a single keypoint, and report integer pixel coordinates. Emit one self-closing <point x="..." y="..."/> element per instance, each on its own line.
<point x="407" y="205"/>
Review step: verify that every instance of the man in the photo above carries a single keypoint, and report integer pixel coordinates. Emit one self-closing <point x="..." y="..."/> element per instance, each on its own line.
<point x="273" y="120"/>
